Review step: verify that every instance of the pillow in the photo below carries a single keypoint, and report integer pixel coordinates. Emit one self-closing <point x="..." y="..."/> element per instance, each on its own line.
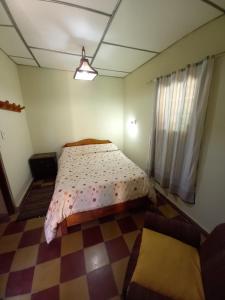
<point x="169" y="267"/>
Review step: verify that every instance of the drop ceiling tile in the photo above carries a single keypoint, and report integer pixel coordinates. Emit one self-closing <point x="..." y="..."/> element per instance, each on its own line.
<point x="4" y="19"/>
<point x="24" y="61"/>
<point x="11" y="43"/>
<point x="58" y="27"/>
<point x="55" y="60"/>
<point x="119" y="58"/>
<point x="154" y="25"/>
<point x="111" y="73"/>
<point x="101" y="5"/>
<point x="220" y="3"/>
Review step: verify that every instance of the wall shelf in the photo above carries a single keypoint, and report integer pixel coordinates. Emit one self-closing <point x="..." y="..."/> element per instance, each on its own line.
<point x="6" y="105"/>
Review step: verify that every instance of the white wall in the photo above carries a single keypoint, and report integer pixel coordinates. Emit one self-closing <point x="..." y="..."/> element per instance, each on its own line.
<point x="61" y="109"/>
<point x="209" y="209"/>
<point x="16" y="147"/>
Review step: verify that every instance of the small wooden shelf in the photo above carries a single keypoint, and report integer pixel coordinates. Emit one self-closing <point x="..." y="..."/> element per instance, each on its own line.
<point x="11" y="106"/>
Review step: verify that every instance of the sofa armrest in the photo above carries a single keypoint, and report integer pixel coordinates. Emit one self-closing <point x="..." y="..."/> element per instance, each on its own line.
<point x="132" y="263"/>
<point x="179" y="230"/>
<point x="137" y="292"/>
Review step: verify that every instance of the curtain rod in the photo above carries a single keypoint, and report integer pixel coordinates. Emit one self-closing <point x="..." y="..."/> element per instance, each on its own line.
<point x="215" y="55"/>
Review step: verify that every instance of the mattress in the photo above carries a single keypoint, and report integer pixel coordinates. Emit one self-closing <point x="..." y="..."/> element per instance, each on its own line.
<point x="91" y="177"/>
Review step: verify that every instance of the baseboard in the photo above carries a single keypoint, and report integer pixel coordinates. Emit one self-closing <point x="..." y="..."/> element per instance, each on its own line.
<point x="26" y="187"/>
<point x="193" y="220"/>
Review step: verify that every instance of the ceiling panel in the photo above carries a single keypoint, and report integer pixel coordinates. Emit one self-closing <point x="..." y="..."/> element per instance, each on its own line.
<point x="56" y="60"/>
<point x="24" y="61"/>
<point x="154" y="25"/>
<point x="4" y="19"/>
<point x="101" y="5"/>
<point x="220" y="3"/>
<point x="58" y="27"/>
<point x="119" y="58"/>
<point x="111" y="73"/>
<point x="11" y="43"/>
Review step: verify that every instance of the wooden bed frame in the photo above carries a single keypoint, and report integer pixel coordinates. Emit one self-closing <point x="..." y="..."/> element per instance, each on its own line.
<point x="91" y="215"/>
<point x="87" y="142"/>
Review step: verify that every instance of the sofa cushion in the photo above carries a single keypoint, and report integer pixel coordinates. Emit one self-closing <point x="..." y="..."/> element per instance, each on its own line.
<point x="169" y="267"/>
<point x="137" y="292"/>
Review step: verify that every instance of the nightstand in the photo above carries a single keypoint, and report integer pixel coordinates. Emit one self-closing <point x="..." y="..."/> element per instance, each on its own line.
<point x="43" y="165"/>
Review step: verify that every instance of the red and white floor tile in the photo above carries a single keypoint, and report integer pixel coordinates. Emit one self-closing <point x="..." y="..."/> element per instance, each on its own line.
<point x="88" y="263"/>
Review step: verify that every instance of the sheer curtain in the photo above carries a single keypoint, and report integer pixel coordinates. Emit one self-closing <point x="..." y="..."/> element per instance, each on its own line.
<point x="181" y="102"/>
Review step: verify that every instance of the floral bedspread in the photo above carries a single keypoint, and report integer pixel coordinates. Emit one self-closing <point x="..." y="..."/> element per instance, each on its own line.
<point x="91" y="177"/>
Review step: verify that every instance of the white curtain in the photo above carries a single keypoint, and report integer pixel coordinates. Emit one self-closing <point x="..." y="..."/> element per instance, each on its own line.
<point x="181" y="102"/>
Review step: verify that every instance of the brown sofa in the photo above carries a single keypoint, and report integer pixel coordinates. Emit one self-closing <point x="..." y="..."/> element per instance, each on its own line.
<point x="211" y="253"/>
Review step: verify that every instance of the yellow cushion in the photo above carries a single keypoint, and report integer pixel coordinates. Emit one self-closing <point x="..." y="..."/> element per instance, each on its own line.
<point x="168" y="267"/>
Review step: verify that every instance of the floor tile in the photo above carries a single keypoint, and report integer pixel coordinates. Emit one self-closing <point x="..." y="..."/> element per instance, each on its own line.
<point x="95" y="257"/>
<point x="101" y="284"/>
<point x="122" y="215"/>
<point x="119" y="270"/>
<point x="4" y="218"/>
<point x="110" y="230"/>
<point x="75" y="265"/>
<point x="71" y="243"/>
<point x="9" y="242"/>
<point x="30" y="237"/>
<point x="43" y="239"/>
<point x="49" y="251"/>
<point x="90" y="224"/>
<point x="48" y="294"/>
<point x="20" y="297"/>
<point x="107" y="219"/>
<point x="34" y="223"/>
<point x="139" y="219"/>
<point x="181" y="218"/>
<point x="15" y="227"/>
<point x="25" y="258"/>
<point x="74" y="228"/>
<point x="92" y="236"/>
<point x="72" y="266"/>
<point x="74" y="289"/>
<point x="3" y="228"/>
<point x="3" y="282"/>
<point x="19" y="282"/>
<point x="127" y="224"/>
<point x="130" y="238"/>
<point x="117" y="249"/>
<point x="13" y="217"/>
<point x="168" y="211"/>
<point x="46" y="275"/>
<point x="6" y="261"/>
<point x="161" y="200"/>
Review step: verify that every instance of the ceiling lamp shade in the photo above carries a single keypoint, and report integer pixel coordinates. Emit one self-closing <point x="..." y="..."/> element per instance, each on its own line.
<point x="84" y="71"/>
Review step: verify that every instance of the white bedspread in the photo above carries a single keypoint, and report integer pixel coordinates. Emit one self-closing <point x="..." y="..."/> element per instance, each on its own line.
<point x="91" y="177"/>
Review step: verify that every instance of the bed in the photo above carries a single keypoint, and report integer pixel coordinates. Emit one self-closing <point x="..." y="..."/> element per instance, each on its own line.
<point x="94" y="179"/>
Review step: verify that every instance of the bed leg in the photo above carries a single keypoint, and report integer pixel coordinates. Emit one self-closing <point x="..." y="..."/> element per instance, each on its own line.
<point x="62" y="229"/>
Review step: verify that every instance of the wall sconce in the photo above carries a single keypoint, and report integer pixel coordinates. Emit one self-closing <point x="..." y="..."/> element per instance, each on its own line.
<point x="133" y="122"/>
<point x="132" y="128"/>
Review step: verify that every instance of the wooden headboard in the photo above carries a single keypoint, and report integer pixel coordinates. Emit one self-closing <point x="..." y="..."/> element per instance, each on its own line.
<point x="87" y="142"/>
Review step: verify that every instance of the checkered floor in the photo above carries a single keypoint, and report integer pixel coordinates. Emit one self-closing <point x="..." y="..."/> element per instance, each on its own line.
<point x="88" y="263"/>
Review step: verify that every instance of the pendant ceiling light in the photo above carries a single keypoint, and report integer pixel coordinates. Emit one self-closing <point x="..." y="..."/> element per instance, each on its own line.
<point x="85" y="71"/>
